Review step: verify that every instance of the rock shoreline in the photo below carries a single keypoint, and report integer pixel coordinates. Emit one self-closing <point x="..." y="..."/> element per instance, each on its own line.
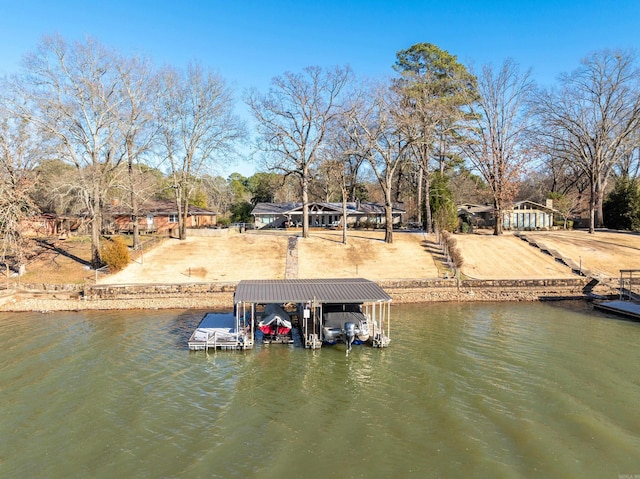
<point x="418" y="291"/>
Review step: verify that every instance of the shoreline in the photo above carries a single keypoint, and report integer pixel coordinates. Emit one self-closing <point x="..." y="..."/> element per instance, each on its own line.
<point x="220" y="297"/>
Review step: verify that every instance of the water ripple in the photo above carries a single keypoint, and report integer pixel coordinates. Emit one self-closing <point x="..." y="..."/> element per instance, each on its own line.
<point x="488" y="390"/>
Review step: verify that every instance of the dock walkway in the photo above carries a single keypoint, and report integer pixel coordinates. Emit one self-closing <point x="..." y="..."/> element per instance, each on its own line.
<point x="629" y="309"/>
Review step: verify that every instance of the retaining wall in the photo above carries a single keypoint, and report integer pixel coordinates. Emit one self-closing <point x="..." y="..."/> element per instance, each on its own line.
<point x="406" y="291"/>
<point x="154" y="291"/>
<point x="486" y="290"/>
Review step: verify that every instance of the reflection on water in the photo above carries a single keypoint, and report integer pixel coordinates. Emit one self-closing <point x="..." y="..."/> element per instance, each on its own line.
<point x="473" y="390"/>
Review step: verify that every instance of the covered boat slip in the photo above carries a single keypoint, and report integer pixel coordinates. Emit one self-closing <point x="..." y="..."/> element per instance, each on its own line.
<point x="309" y="298"/>
<point x="221" y="331"/>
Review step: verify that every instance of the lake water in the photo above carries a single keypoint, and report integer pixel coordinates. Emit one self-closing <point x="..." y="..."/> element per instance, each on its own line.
<point x="549" y="390"/>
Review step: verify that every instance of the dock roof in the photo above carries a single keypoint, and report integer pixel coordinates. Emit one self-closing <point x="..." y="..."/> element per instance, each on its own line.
<point x="342" y="290"/>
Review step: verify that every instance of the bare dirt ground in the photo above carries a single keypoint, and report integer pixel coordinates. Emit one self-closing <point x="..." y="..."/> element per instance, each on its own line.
<point x="366" y="255"/>
<point x="410" y="256"/>
<point x="506" y="257"/>
<point x="55" y="261"/>
<point x="605" y="252"/>
<point x="208" y="259"/>
<point x="264" y="256"/>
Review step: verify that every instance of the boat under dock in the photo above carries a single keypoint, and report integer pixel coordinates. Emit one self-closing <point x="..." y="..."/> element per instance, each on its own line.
<point x="310" y="298"/>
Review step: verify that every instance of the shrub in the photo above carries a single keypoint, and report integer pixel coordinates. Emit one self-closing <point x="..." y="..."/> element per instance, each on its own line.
<point x="456" y="257"/>
<point x="366" y="224"/>
<point x="223" y="222"/>
<point x="115" y="254"/>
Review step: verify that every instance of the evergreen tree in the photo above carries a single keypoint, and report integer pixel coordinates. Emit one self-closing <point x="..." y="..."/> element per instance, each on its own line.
<point x="443" y="205"/>
<point x="622" y="207"/>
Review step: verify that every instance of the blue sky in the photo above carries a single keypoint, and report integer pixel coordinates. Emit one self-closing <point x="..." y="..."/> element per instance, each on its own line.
<point x="249" y="42"/>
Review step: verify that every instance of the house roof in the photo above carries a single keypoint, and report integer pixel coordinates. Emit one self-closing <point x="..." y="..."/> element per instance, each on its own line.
<point x="533" y="205"/>
<point x="156" y="207"/>
<point x="475" y="209"/>
<point x="344" y="290"/>
<point x="478" y="209"/>
<point x="296" y="207"/>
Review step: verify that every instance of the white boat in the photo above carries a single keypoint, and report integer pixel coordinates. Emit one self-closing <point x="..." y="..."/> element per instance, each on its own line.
<point x="344" y="323"/>
<point x="221" y="331"/>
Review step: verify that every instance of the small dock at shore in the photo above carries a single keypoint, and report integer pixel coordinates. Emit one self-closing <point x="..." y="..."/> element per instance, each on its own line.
<point x="630" y="309"/>
<point x="628" y="303"/>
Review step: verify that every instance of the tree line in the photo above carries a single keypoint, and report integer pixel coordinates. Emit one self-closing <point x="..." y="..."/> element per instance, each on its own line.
<point x="82" y="124"/>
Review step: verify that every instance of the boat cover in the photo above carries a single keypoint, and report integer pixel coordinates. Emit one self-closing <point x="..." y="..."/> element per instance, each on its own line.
<point x="337" y="319"/>
<point x="275" y="321"/>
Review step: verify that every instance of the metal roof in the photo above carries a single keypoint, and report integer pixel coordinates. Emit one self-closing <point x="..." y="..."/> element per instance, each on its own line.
<point x="296" y="208"/>
<point x="342" y="290"/>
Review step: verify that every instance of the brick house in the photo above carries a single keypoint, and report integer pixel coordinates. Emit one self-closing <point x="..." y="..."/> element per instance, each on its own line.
<point x="156" y="216"/>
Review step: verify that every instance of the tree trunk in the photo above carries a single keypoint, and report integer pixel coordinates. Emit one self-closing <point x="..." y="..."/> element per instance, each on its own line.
<point x="497" y="227"/>
<point x="428" y="223"/>
<point x="181" y="215"/>
<point x="182" y="226"/>
<point x="388" y="213"/>
<point x="420" y="188"/>
<point x="96" y="226"/>
<point x="344" y="216"/>
<point x="592" y="208"/>
<point x="599" y="199"/>
<point x="305" y="204"/>
<point x="134" y="203"/>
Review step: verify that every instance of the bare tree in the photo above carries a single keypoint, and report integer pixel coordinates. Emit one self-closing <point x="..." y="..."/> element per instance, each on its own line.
<point x="198" y="129"/>
<point x="56" y="189"/>
<point x="138" y="128"/>
<point x="71" y="92"/>
<point x="496" y="139"/>
<point x="628" y="166"/>
<point x="376" y="129"/>
<point x="292" y="120"/>
<point x="326" y="180"/>
<point x="19" y="150"/>
<point x="592" y="119"/>
<point x="218" y="192"/>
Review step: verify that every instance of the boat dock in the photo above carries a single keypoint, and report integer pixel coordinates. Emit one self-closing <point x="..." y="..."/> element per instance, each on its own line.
<point x="628" y="304"/>
<point x="307" y="298"/>
<point x="324" y="311"/>
<point x="630" y="309"/>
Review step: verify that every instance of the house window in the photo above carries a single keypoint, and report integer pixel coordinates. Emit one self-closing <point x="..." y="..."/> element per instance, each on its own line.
<point x="173" y="218"/>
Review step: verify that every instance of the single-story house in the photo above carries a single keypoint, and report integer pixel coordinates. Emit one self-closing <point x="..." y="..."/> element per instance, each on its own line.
<point x="155" y="216"/>
<point x="519" y="216"/>
<point x="280" y="215"/>
<point x="51" y="224"/>
<point x="477" y="216"/>
<point x="527" y="215"/>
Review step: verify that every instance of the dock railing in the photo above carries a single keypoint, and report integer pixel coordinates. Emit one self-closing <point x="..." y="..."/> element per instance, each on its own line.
<point x="630" y="285"/>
